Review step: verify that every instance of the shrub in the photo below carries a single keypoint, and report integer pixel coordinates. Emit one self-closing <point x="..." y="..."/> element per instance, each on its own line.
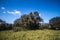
<point x="55" y="23"/>
<point x="17" y="29"/>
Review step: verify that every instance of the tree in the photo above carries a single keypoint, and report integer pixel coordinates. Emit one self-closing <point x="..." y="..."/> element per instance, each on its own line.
<point x="34" y="20"/>
<point x="2" y="21"/>
<point x="30" y="21"/>
<point x="55" y="22"/>
<point x="8" y="26"/>
<point x="4" y="25"/>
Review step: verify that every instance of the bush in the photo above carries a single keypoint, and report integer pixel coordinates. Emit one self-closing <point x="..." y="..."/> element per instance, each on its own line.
<point x="55" y="23"/>
<point x="44" y="26"/>
<point x="17" y="29"/>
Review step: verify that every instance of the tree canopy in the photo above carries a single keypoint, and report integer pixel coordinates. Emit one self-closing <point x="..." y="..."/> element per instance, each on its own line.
<point x="4" y="25"/>
<point x="30" y="21"/>
<point x="55" y="22"/>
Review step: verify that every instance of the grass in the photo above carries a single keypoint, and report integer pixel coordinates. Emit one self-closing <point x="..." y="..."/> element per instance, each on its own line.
<point x="30" y="35"/>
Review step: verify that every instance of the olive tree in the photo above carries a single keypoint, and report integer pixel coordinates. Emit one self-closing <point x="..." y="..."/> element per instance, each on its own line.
<point x="28" y="21"/>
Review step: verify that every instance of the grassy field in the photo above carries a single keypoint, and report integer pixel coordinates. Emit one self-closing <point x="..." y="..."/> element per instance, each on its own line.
<point x="30" y="35"/>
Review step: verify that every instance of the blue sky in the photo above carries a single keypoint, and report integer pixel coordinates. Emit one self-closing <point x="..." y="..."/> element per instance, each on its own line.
<point x="10" y="10"/>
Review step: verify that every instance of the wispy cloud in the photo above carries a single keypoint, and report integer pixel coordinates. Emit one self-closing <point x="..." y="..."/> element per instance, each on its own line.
<point x="3" y="8"/>
<point x="14" y="12"/>
<point x="4" y="12"/>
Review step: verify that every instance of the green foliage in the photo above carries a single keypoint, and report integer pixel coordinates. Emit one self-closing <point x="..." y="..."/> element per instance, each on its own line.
<point x="5" y="26"/>
<point x="2" y="21"/>
<point x="2" y="25"/>
<point x="15" y="29"/>
<point x="30" y="21"/>
<point x="55" y="23"/>
<point x="44" y="26"/>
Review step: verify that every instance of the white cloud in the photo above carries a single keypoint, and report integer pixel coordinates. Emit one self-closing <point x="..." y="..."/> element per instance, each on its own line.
<point x="2" y="7"/>
<point x="4" y="12"/>
<point x="10" y="12"/>
<point x="14" y="12"/>
<point x="39" y="14"/>
<point x="17" y="12"/>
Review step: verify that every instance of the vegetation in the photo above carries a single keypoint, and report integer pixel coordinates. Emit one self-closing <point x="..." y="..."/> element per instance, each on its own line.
<point x="30" y="35"/>
<point x="5" y="26"/>
<point x="55" y="23"/>
<point x="30" y="21"/>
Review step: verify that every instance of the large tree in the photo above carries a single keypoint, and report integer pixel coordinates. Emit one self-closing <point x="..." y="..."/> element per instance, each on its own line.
<point x="55" y="22"/>
<point x="30" y="21"/>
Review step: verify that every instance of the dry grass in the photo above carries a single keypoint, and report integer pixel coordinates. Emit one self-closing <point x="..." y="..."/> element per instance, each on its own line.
<point x="30" y="35"/>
